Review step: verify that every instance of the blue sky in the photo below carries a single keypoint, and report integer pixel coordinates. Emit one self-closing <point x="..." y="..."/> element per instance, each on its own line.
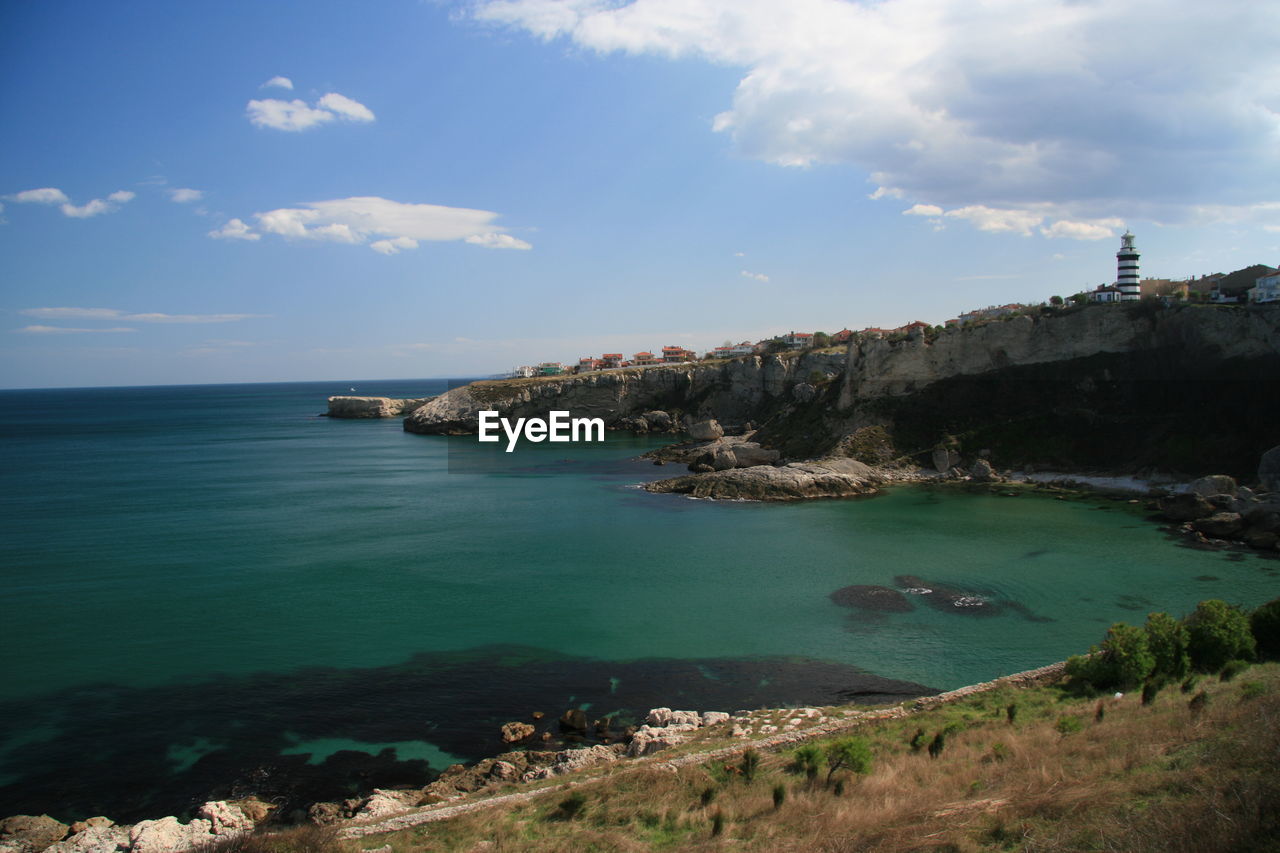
<point x="242" y="191"/>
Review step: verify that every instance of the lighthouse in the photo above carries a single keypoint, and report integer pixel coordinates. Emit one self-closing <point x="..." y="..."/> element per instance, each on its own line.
<point x="1127" y="270"/>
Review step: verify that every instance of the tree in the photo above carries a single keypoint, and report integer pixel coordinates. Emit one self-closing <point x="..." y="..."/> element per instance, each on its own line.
<point x="807" y="759"/>
<point x="1265" y="625"/>
<point x="850" y="753"/>
<point x="1123" y="661"/>
<point x="1218" y="633"/>
<point x="1079" y="298"/>
<point x="1167" y="641"/>
<point x="821" y="339"/>
<point x="1055" y="301"/>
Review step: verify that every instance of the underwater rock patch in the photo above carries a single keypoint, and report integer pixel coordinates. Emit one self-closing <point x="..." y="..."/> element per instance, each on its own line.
<point x="880" y="599"/>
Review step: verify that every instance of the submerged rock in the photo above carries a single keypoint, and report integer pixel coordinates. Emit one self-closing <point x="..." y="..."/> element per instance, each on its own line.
<point x="512" y="732"/>
<point x="948" y="599"/>
<point x="1187" y="506"/>
<point x="881" y="599"/>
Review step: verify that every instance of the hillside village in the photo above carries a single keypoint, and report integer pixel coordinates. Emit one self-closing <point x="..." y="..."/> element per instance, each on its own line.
<point x="1257" y="284"/>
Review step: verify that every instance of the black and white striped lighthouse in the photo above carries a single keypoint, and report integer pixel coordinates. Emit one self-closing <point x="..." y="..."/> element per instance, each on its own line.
<point x="1127" y="270"/>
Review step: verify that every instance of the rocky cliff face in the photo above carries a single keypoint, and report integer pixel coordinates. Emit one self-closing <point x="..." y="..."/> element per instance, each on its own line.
<point x="734" y="392"/>
<point x="372" y="407"/>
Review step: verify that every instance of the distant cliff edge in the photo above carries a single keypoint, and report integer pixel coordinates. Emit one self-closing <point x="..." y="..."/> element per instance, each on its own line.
<point x="1115" y="387"/>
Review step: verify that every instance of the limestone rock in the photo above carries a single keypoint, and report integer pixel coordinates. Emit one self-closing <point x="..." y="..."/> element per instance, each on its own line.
<point x="513" y="732"/>
<point x="722" y="459"/>
<point x="325" y="814"/>
<point x="98" y="822"/>
<point x="982" y="472"/>
<point x="711" y="718"/>
<point x="1220" y="525"/>
<point x="383" y="803"/>
<point x="803" y="392"/>
<point x="1187" y="506"/>
<point x="225" y="818"/>
<point x="570" y="760"/>
<point x="254" y="809"/>
<point x="749" y="454"/>
<point x="31" y="832"/>
<point x="661" y="717"/>
<point x="94" y="839"/>
<point x="503" y="771"/>
<point x="944" y="459"/>
<point x="1214" y="484"/>
<point x="373" y="407"/>
<point x="820" y="478"/>
<point x="705" y="430"/>
<point x="1269" y="470"/>
<point x="574" y="720"/>
<point x="648" y="740"/>
<point x="169" y="835"/>
<point x="1263" y="519"/>
<point x="658" y="421"/>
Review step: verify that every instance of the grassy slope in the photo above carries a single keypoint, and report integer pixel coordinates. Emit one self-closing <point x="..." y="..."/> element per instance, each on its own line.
<point x="1157" y="778"/>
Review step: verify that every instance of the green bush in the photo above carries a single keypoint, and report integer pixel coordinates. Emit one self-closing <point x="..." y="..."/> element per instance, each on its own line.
<point x="750" y="764"/>
<point x="850" y="753"/>
<point x="1218" y="633"/>
<point x="1264" y="623"/>
<point x="1233" y="668"/>
<point x="1068" y="725"/>
<point x="807" y="759"/>
<point x="779" y="795"/>
<point x="1124" y="661"/>
<point x="1167" y="641"/>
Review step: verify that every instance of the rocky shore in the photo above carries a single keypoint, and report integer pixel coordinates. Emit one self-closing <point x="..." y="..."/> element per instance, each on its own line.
<point x="374" y="407"/>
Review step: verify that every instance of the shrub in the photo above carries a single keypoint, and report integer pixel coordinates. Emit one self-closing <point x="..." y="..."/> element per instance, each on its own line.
<point x="938" y="744"/>
<point x="807" y="759"/>
<point x="1190" y="683"/>
<point x="1149" y="691"/>
<point x="1068" y="725"/>
<point x="1167" y="641"/>
<point x="750" y="764"/>
<point x="850" y="753"/>
<point x="917" y="740"/>
<point x="1232" y="669"/>
<point x="1198" y="703"/>
<point x="1264" y="623"/>
<point x="717" y="824"/>
<point x="1011" y="713"/>
<point x="1218" y="633"/>
<point x="708" y="794"/>
<point x="779" y="795"/>
<point x="1252" y="690"/>
<point x="1124" y="661"/>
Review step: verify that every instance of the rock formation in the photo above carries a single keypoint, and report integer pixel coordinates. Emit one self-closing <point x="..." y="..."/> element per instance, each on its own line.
<point x="373" y="407"/>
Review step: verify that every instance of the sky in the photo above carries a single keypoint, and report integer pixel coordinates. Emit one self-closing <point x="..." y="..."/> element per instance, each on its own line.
<point x="241" y="191"/>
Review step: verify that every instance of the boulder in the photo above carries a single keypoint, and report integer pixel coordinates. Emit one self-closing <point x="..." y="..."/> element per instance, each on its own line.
<point x="658" y="421"/>
<point x="570" y="760"/>
<point x="225" y="818"/>
<point x="722" y="459"/>
<point x="1214" y="484"/>
<point x="803" y="392"/>
<point x="711" y="718"/>
<point x="324" y="814"/>
<point x="662" y="717"/>
<point x="1187" y="506"/>
<point x="503" y="771"/>
<point x="945" y="459"/>
<point x="749" y="453"/>
<point x="1220" y="525"/>
<point x="705" y="430"/>
<point x="1263" y="519"/>
<point x="574" y="720"/>
<point x="31" y="832"/>
<point x="513" y="732"/>
<point x="254" y="809"/>
<point x="1262" y="540"/>
<point x="1269" y="470"/>
<point x="982" y="471"/>
<point x="383" y="803"/>
<point x="93" y="839"/>
<point x="99" y="822"/>
<point x="169" y="835"/>
<point x="820" y="478"/>
<point x="648" y="740"/>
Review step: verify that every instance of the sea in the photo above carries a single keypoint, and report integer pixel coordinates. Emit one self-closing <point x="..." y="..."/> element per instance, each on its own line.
<point x="214" y="591"/>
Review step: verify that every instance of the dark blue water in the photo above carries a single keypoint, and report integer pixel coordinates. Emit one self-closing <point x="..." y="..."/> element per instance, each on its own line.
<point x="213" y="589"/>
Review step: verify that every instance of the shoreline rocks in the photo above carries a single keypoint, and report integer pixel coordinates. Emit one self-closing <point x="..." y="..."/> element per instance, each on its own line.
<point x="374" y="407"/>
<point x="820" y="478"/>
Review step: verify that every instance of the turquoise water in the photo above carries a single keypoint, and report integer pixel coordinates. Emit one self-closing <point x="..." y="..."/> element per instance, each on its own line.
<point x="167" y="551"/>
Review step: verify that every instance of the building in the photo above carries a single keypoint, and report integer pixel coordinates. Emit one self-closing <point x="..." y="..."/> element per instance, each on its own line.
<point x="841" y="337"/>
<point x="550" y="368"/>
<point x="523" y="372"/>
<point x="1127" y="270"/>
<point x="1105" y="293"/>
<point x="1267" y="288"/>
<point x="610" y="360"/>
<point x="587" y="364"/>
<point x="644" y="359"/>
<point x="797" y="340"/>
<point x="673" y="355"/>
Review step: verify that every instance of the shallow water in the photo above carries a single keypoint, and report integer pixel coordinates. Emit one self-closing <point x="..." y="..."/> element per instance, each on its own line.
<point x="254" y="586"/>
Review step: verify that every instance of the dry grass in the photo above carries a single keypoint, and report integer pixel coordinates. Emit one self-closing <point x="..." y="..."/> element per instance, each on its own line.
<point x="1154" y="778"/>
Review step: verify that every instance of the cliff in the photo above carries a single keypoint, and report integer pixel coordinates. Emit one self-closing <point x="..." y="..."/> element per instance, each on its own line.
<point x="734" y="392"/>
<point x="1191" y="389"/>
<point x="372" y="407"/>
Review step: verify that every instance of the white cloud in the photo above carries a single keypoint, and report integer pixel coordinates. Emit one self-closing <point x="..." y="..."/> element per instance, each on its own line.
<point x="296" y="115"/>
<point x="494" y="240"/>
<point x="923" y="210"/>
<point x="84" y="211"/>
<point x="47" y="195"/>
<point x="1099" y="230"/>
<point x="184" y="195"/>
<point x="278" y="82"/>
<point x="75" y="313"/>
<point x="236" y="229"/>
<point x="345" y="107"/>
<point x="122" y="196"/>
<point x="286" y="115"/>
<point x="1072" y="110"/>
<point x="64" y="330"/>
<point x="758" y="276"/>
<point x="393" y="226"/>
<point x="991" y="219"/>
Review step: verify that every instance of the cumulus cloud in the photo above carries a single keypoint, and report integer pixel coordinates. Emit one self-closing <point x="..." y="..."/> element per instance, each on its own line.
<point x="758" y="276"/>
<point x="53" y="195"/>
<point x="185" y="195"/>
<point x="75" y="313"/>
<point x="392" y="226"/>
<point x="1098" y="230"/>
<point x="923" y="210"/>
<point x="296" y="115"/>
<point x="279" y="83"/>
<point x="1076" y="111"/>
<point x="235" y="229"/>
<point x="46" y="195"/>
<point x="66" y="330"/>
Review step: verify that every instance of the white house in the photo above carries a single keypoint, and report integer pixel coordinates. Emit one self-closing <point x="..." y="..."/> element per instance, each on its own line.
<point x="1267" y="288"/>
